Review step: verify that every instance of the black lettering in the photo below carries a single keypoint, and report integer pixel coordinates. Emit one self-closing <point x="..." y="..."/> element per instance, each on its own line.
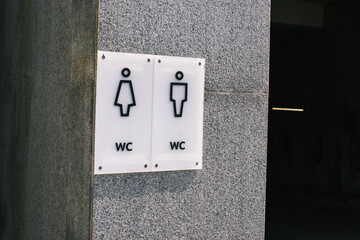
<point x="174" y="145"/>
<point x="124" y="146"/>
<point x="127" y="146"/>
<point x="177" y="145"/>
<point x="120" y="146"/>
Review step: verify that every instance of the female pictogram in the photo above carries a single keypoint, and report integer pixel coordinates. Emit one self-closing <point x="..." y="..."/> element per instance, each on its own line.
<point x="178" y="94"/>
<point x="125" y="97"/>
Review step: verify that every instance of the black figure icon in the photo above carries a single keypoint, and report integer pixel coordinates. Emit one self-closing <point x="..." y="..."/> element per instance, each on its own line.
<point x="178" y="94"/>
<point x="125" y="97"/>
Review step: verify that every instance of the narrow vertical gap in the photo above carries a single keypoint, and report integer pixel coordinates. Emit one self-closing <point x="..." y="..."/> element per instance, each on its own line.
<point x="152" y="113"/>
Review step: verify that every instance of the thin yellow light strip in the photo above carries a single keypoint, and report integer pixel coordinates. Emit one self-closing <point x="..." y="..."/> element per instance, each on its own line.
<point x="288" y="109"/>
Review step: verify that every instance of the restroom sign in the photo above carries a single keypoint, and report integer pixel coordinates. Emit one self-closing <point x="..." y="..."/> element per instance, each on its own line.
<point x="149" y="113"/>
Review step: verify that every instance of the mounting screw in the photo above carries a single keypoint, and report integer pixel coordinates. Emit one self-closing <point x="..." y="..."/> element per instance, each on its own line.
<point x="199" y="63"/>
<point x="197" y="163"/>
<point x="145" y="166"/>
<point x="103" y="56"/>
<point x="156" y="165"/>
<point x="159" y="61"/>
<point x="148" y="59"/>
<point x="100" y="167"/>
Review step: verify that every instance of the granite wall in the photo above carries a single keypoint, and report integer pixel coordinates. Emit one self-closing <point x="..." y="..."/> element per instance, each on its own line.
<point x="48" y="52"/>
<point x="226" y="199"/>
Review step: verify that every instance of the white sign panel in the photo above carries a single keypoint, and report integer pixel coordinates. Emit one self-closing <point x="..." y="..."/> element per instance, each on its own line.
<point x="177" y="113"/>
<point x="123" y="113"/>
<point x="149" y="113"/>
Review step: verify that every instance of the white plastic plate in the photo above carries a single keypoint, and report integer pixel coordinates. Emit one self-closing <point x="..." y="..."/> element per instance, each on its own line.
<point x="177" y="113"/>
<point x="149" y="113"/>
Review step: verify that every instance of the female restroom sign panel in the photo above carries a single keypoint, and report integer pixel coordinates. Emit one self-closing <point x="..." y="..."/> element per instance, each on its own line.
<point x="123" y="112"/>
<point x="149" y="113"/>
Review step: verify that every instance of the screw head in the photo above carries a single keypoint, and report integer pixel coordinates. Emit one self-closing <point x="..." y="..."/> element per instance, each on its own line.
<point x="197" y="163"/>
<point x="199" y="63"/>
<point x="145" y="166"/>
<point x="156" y="165"/>
<point x="148" y="59"/>
<point x="100" y="167"/>
<point x="103" y="56"/>
<point x="159" y="61"/>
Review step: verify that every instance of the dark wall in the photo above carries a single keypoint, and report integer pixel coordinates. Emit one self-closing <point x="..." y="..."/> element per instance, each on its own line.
<point x="318" y="150"/>
<point x="11" y="15"/>
<point x="47" y="81"/>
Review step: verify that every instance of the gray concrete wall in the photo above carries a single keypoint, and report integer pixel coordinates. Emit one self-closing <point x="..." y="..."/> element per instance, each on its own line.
<point x="225" y="200"/>
<point x="47" y="80"/>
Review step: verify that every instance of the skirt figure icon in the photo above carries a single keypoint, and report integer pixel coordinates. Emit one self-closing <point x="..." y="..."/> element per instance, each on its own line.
<point x="125" y="97"/>
<point x="178" y="94"/>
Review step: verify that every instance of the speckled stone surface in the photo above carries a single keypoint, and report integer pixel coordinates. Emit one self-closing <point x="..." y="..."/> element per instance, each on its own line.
<point x="226" y="199"/>
<point x="232" y="35"/>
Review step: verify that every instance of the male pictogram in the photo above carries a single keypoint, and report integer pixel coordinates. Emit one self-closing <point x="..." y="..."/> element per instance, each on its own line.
<point x="178" y="94"/>
<point x="125" y="97"/>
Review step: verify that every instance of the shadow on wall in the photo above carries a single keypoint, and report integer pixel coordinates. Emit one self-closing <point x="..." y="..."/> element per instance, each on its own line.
<point x="133" y="185"/>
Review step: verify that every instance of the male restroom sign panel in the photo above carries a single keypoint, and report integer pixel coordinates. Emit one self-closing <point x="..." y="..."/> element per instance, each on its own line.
<point x="177" y="113"/>
<point x="123" y="112"/>
<point x="149" y="112"/>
